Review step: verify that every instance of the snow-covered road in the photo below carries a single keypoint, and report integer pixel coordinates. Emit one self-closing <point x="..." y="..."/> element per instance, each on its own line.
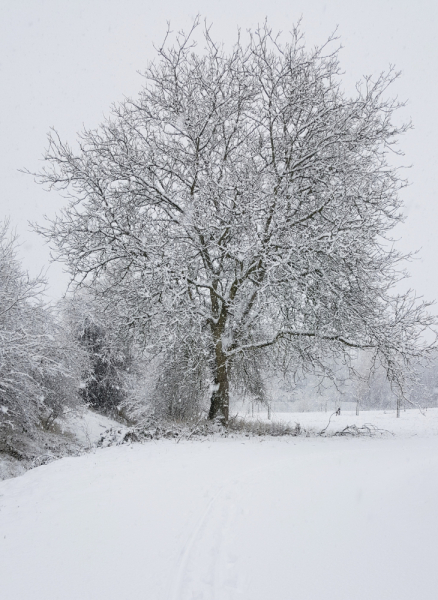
<point x="286" y="519"/>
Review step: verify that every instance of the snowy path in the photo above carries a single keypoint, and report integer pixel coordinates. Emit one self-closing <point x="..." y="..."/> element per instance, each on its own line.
<point x="298" y="519"/>
<point x="324" y="525"/>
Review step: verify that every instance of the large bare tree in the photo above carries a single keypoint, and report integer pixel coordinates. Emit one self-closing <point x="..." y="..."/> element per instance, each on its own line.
<point x="243" y="202"/>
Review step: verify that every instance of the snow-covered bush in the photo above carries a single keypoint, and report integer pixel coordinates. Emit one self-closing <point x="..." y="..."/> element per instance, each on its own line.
<point x="39" y="366"/>
<point x="182" y="386"/>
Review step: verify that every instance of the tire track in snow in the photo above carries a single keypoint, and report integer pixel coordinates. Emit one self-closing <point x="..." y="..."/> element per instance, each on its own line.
<point x="231" y="485"/>
<point x="179" y="580"/>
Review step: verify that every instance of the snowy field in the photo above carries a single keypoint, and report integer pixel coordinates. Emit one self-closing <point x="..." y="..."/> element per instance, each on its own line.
<point x="305" y="518"/>
<point x="411" y="422"/>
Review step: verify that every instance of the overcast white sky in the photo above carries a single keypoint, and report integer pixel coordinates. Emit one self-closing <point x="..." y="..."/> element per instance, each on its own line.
<point x="63" y="62"/>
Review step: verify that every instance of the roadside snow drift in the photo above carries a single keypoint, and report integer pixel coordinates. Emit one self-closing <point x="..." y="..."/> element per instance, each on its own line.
<point x="254" y="519"/>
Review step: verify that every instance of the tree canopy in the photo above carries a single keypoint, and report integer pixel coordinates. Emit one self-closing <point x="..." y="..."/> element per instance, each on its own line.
<point x="239" y="211"/>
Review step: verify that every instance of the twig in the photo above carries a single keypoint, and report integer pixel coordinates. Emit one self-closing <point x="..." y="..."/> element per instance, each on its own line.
<point x="326" y="427"/>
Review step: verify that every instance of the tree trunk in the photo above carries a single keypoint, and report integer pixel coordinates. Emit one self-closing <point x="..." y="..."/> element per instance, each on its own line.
<point x="220" y="398"/>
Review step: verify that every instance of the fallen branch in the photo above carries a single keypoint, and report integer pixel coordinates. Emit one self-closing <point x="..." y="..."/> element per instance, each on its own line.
<point x="367" y="429"/>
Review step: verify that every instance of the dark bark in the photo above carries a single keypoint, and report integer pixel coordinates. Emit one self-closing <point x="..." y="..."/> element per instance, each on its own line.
<point x="220" y="398"/>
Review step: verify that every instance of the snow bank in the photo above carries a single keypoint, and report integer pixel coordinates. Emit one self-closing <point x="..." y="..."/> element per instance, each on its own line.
<point x="71" y="436"/>
<point x="88" y="427"/>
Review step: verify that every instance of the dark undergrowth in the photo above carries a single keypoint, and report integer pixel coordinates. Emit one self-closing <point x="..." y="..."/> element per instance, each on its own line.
<point x="156" y="429"/>
<point x="19" y="453"/>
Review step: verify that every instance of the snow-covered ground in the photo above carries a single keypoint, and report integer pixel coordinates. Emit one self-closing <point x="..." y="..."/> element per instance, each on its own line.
<point x="305" y="518"/>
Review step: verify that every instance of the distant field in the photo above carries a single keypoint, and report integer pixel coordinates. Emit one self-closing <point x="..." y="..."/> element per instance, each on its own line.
<point x="411" y="422"/>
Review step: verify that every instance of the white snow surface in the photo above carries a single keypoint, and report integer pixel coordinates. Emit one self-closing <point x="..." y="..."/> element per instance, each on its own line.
<point x="305" y="518"/>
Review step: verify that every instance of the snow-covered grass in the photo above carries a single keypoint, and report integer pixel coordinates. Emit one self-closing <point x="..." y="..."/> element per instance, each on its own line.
<point x="305" y="518"/>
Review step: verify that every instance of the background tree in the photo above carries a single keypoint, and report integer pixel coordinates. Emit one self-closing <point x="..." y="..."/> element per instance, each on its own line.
<point x="244" y="200"/>
<point x="110" y="354"/>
